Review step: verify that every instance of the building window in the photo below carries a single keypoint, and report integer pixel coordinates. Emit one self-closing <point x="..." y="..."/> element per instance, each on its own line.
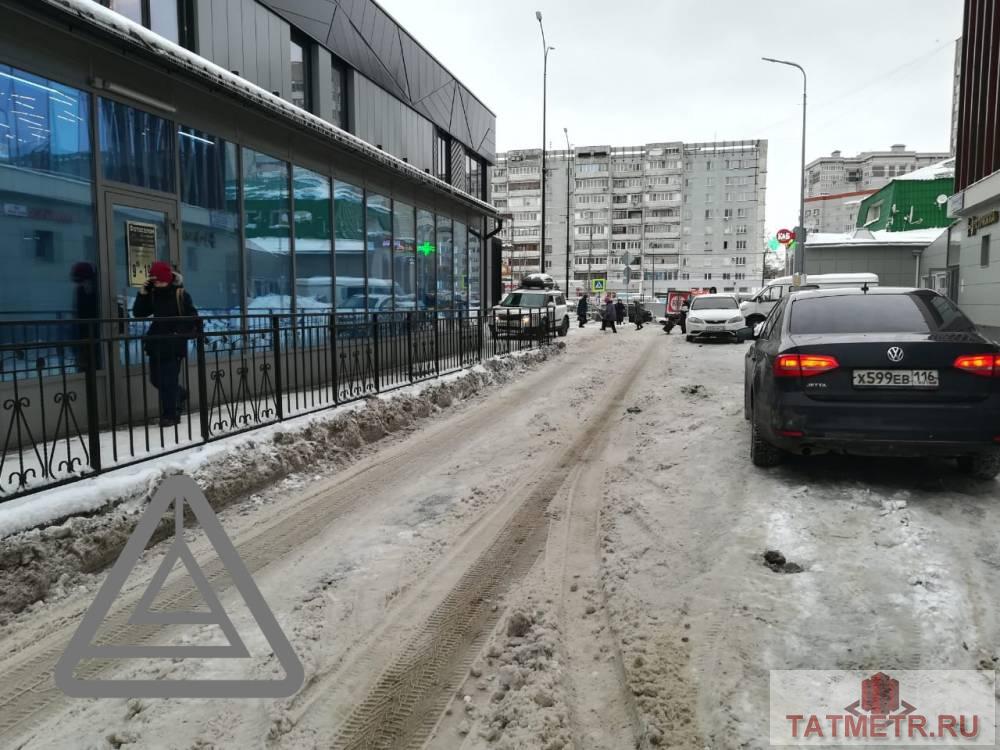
<point x="313" y="240"/>
<point x="426" y="261"/>
<point x="404" y="247"/>
<point x="338" y="89"/>
<point x="267" y="232"/>
<point x="349" y="251"/>
<point x="48" y="242"/>
<point x="474" y="175"/>
<point x="137" y="148"/>
<point x="984" y="251"/>
<point x="445" y="269"/>
<point x="442" y="157"/>
<point x="210" y="222"/>
<point x="475" y="264"/>
<point x="171" y="19"/>
<point x="378" y="236"/>
<point x="301" y="71"/>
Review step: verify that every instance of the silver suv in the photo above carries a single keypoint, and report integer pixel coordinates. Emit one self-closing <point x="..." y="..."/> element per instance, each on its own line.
<point x="535" y="310"/>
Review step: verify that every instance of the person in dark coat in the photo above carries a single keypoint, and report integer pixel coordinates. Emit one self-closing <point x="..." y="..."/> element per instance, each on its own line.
<point x="163" y="298"/>
<point x="638" y="312"/>
<point x="619" y="311"/>
<point x="86" y="307"/>
<point x="610" y="315"/>
<point x="581" y="310"/>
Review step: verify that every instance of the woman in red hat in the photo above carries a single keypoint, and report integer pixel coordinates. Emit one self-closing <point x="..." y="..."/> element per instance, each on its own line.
<point x="166" y="342"/>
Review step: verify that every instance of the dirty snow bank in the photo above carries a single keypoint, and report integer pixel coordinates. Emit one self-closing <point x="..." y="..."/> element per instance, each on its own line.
<point x="514" y="697"/>
<point x="42" y="552"/>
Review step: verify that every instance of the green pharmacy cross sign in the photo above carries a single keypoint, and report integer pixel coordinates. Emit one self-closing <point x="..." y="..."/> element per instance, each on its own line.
<point x="425" y="248"/>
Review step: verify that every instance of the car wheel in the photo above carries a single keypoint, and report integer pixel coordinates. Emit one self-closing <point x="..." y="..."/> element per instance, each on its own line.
<point x="762" y="453"/>
<point x="564" y="328"/>
<point x="981" y="465"/>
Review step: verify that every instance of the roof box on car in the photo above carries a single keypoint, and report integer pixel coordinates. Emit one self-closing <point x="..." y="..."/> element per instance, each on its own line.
<point x="538" y="281"/>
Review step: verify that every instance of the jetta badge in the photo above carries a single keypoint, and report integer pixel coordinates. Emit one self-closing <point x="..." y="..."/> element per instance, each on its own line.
<point x="895" y="354"/>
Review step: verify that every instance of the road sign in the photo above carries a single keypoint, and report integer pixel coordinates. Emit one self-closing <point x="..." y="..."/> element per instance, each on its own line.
<point x="785" y="236"/>
<point x="598" y="285"/>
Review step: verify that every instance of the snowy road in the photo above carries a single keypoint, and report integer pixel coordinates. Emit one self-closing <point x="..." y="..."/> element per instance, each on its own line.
<point x="572" y="560"/>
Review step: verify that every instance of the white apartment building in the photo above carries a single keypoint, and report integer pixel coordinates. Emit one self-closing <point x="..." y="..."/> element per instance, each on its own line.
<point x="644" y="218"/>
<point x="837" y="184"/>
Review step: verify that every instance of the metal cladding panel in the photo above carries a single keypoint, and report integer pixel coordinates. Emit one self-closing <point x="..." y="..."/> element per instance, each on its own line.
<point x="234" y="27"/>
<point x="220" y="35"/>
<point x="250" y="65"/>
<point x="365" y="36"/>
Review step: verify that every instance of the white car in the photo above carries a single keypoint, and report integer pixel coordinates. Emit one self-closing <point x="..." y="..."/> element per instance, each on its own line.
<point x="534" y="311"/>
<point x="715" y="315"/>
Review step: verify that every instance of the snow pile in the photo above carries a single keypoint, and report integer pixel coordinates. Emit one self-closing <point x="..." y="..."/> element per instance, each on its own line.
<point x="522" y="703"/>
<point x="89" y="522"/>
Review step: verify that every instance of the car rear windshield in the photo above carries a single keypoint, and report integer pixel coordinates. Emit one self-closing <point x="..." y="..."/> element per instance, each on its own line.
<point x="877" y="313"/>
<point x="715" y="303"/>
<point x="523" y="299"/>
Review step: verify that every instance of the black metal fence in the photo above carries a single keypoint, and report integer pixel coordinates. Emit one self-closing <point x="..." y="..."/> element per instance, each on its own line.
<point x="77" y="397"/>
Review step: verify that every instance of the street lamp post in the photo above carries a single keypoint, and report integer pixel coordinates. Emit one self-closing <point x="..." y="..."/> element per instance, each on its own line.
<point x="568" y="166"/>
<point x="545" y="82"/>
<point x="800" y="233"/>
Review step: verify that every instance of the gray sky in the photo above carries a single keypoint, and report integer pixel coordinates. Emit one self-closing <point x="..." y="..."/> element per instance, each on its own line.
<point x="634" y="71"/>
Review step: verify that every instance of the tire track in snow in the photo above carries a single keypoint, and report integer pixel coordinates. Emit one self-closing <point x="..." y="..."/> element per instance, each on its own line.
<point x="403" y="706"/>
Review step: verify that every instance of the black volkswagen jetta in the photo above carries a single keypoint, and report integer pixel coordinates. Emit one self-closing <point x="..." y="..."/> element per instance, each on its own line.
<point x="881" y="371"/>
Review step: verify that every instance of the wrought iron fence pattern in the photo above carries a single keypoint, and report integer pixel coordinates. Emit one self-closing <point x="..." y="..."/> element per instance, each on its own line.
<point x="76" y="397"/>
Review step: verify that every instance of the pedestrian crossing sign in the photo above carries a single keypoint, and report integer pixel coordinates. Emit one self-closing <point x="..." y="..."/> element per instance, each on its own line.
<point x="598" y="285"/>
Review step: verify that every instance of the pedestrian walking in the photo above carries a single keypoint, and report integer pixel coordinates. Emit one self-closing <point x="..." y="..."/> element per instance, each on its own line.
<point x="610" y="315"/>
<point x="581" y="310"/>
<point x="638" y="313"/>
<point x="685" y="309"/>
<point x="164" y="299"/>
<point x="619" y="311"/>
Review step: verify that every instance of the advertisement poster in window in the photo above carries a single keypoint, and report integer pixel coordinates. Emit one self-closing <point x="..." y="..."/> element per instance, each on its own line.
<point x="675" y="300"/>
<point x="141" y="244"/>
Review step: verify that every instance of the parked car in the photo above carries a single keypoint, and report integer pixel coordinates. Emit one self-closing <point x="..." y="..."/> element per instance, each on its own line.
<point x="534" y="311"/>
<point x="715" y="316"/>
<point x="761" y="304"/>
<point x="887" y="371"/>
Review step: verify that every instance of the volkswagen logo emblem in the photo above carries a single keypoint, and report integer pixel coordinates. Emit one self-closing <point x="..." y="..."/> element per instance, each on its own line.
<point x="895" y="354"/>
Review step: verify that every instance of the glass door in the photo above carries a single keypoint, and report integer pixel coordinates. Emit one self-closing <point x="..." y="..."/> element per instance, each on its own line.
<point x="140" y="231"/>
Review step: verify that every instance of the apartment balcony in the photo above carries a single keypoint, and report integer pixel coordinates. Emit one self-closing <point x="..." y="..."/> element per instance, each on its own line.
<point x="524" y="177"/>
<point x="662" y="235"/>
<point x="628" y="222"/>
<point x="663" y="203"/>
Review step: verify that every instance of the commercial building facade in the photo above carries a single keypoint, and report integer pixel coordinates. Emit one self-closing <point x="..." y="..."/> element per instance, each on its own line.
<point x="968" y="255"/>
<point x="283" y="156"/>
<point x="837" y="184"/>
<point x="642" y="219"/>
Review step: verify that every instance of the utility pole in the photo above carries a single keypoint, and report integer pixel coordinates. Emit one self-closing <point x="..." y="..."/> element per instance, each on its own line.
<point x="799" y="260"/>
<point x="569" y="164"/>
<point x="545" y="83"/>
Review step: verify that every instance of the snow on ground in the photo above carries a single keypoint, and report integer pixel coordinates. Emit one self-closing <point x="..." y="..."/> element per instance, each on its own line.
<point x="645" y="614"/>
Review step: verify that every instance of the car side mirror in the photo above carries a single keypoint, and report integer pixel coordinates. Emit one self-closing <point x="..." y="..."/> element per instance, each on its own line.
<point x="757" y="331"/>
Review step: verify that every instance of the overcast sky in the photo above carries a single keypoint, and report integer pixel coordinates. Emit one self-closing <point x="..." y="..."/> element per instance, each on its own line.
<point x="626" y="72"/>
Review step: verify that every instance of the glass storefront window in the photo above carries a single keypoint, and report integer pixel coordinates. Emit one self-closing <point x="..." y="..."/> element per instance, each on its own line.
<point x="210" y="215"/>
<point x="268" y="236"/>
<point x="404" y="262"/>
<point x="380" y="287"/>
<point x="349" y="247"/>
<point x="48" y="245"/>
<point x="445" y="271"/>
<point x="460" y="300"/>
<point x="426" y="261"/>
<point x="475" y="263"/>
<point x="313" y="241"/>
<point x="137" y="148"/>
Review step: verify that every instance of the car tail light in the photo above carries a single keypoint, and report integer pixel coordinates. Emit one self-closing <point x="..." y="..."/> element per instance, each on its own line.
<point x="987" y="365"/>
<point x="791" y="433"/>
<point x="803" y="365"/>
